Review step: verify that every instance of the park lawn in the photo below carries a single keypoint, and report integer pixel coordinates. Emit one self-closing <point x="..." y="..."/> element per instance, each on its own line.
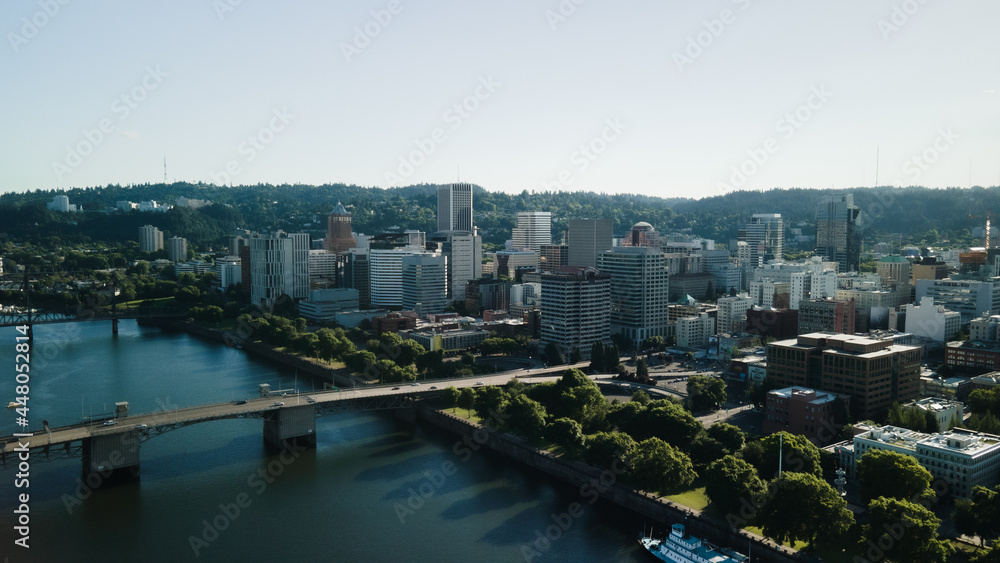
<point x="695" y="498"/>
<point x="159" y="301"/>
<point x="467" y="414"/>
<point x="798" y="545"/>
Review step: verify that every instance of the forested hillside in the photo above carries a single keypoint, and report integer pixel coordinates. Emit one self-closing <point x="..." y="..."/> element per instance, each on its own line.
<point x="919" y="214"/>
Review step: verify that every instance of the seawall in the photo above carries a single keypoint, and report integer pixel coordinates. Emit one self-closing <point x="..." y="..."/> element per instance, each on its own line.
<point x="605" y="484"/>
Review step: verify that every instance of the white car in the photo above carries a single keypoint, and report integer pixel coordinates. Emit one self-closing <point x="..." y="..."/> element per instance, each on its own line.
<point x="278" y="403"/>
<point x="110" y="422"/>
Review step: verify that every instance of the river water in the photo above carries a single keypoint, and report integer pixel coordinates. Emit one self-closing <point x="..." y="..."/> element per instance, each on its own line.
<point x="374" y="489"/>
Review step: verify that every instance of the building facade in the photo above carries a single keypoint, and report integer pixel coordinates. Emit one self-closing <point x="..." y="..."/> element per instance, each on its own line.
<point x="534" y="228"/>
<point x="425" y="283"/>
<point x="279" y="265"/>
<point x="931" y="321"/>
<point x="826" y="315"/>
<point x="150" y="238"/>
<point x="586" y="238"/>
<point x="455" y="207"/>
<point x="804" y="412"/>
<point x="837" y="232"/>
<point x="338" y="231"/>
<point x="639" y="291"/>
<point x="694" y="332"/>
<point x="177" y="249"/>
<point x="575" y="309"/>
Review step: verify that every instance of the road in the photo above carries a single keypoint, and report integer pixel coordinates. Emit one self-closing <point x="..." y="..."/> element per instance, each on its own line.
<point x="217" y="411"/>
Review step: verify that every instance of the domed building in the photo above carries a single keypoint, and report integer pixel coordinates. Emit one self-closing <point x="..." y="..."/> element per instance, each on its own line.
<point x="642" y="234"/>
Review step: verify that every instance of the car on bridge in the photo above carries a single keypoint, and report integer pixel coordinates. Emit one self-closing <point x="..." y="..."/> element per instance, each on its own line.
<point x="110" y="422"/>
<point x="278" y="403"/>
<point x="243" y="402"/>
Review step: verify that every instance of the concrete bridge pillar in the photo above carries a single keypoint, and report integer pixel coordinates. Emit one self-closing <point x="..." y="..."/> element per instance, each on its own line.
<point x="110" y="459"/>
<point x="114" y="327"/>
<point x="290" y="424"/>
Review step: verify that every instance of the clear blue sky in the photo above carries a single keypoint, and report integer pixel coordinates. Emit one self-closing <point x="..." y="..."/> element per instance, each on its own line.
<point x="669" y="99"/>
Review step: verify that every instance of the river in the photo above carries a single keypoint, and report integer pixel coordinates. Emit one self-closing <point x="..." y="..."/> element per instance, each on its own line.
<point x="374" y="489"/>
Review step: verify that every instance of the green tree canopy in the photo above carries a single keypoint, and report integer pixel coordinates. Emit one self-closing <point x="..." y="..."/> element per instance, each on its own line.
<point x="729" y="483"/>
<point x="805" y="508"/>
<point x="883" y="473"/>
<point x="909" y="529"/>
<point x="797" y="454"/>
<point x="604" y="449"/>
<point x="526" y="417"/>
<point x="658" y="466"/>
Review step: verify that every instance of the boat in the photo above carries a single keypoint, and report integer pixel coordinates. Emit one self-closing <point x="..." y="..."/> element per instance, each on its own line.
<point x="13" y="404"/>
<point x="679" y="547"/>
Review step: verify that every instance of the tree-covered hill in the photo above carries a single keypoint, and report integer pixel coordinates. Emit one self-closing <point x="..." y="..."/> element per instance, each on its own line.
<point x="910" y="211"/>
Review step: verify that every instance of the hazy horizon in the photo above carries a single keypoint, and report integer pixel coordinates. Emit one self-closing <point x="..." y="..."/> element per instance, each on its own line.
<point x="690" y="100"/>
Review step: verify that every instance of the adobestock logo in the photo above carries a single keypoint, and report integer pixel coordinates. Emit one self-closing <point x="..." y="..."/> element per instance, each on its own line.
<point x="30" y="26"/>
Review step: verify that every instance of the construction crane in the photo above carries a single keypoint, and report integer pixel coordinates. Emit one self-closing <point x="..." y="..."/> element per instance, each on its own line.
<point x="988" y="217"/>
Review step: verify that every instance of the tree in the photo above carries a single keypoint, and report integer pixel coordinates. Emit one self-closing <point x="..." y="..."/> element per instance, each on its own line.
<point x="467" y="398"/>
<point x="641" y="371"/>
<point x="667" y="421"/>
<point x="805" y="508"/>
<point x="991" y="555"/>
<point x="526" y="417"/>
<point x="597" y="357"/>
<point x="884" y="473"/>
<point x="705" y="393"/>
<point x="575" y="356"/>
<point x="797" y="453"/>
<point x="491" y="401"/>
<point x="909" y="529"/>
<point x="730" y="436"/>
<point x="657" y="466"/>
<point x="604" y="449"/>
<point x="655" y="343"/>
<point x="965" y="518"/>
<point x="641" y="397"/>
<point x="449" y="397"/>
<point x="553" y="355"/>
<point x="567" y="433"/>
<point x="729" y="482"/>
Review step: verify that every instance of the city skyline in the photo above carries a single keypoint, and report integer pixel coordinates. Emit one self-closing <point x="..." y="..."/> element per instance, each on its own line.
<point x="688" y="101"/>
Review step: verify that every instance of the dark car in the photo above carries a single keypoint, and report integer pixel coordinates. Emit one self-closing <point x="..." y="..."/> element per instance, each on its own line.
<point x="395" y="388"/>
<point x="243" y="402"/>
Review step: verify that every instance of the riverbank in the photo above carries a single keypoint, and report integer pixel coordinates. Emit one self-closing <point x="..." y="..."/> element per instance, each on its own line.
<point x="336" y="376"/>
<point x="594" y="483"/>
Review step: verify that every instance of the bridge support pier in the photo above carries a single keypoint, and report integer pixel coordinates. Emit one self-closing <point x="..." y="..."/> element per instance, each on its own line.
<point x="290" y="425"/>
<point x="114" y="327"/>
<point x="110" y="459"/>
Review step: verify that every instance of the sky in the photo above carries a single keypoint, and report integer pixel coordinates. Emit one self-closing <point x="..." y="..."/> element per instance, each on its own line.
<point x="663" y="98"/>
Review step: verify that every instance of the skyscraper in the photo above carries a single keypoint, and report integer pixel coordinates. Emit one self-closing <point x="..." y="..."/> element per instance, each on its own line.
<point x="639" y="291"/>
<point x="534" y="228"/>
<point x="279" y="265"/>
<point x="464" y="251"/>
<point x="338" y="231"/>
<point x="586" y="238"/>
<point x="575" y="310"/>
<point x="455" y="207"/>
<point x="765" y="236"/>
<point x="837" y="236"/>
<point x="425" y="283"/>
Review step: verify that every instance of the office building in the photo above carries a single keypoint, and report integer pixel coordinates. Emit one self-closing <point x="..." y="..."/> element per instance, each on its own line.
<point x="464" y="251"/>
<point x="932" y="321"/>
<point x="837" y="231"/>
<point x="826" y="315"/>
<point x="534" y="228"/>
<point x="386" y="274"/>
<point x="639" y="291"/>
<point x="732" y="316"/>
<point x="324" y="304"/>
<point x="969" y="298"/>
<point x="803" y="412"/>
<point x="694" y="332"/>
<point x="177" y="249"/>
<point x="229" y="271"/>
<point x="642" y="234"/>
<point x="509" y="261"/>
<point x="61" y="203"/>
<point x="425" y="283"/>
<point x="873" y="372"/>
<point x="150" y="238"/>
<point x="960" y="459"/>
<point x="586" y="238"/>
<point x="455" y="207"/>
<point x="552" y="257"/>
<point x="338" y="231"/>
<point x="765" y="236"/>
<point x="355" y="273"/>
<point x="895" y="271"/>
<point x="279" y="265"/>
<point x="575" y="309"/>
<point x="323" y="266"/>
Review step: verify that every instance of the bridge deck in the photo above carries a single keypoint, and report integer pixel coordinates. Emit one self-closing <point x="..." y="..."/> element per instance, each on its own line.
<point x="158" y="422"/>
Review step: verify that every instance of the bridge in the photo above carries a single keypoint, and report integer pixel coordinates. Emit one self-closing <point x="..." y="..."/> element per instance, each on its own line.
<point x="107" y="310"/>
<point x="110" y="447"/>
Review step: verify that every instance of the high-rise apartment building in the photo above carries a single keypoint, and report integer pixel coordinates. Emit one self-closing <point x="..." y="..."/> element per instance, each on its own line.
<point x="150" y="238"/>
<point x="732" y="316"/>
<point x="765" y="237"/>
<point x="425" y="283"/>
<point x="873" y="372"/>
<point x="639" y="291"/>
<point x="534" y="228"/>
<point x="694" y="332"/>
<point x="279" y="265"/>
<point x="177" y="249"/>
<point x="837" y="235"/>
<point x="586" y="238"/>
<point x="338" y="231"/>
<point x="229" y="270"/>
<point x="575" y="310"/>
<point x="455" y="207"/>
